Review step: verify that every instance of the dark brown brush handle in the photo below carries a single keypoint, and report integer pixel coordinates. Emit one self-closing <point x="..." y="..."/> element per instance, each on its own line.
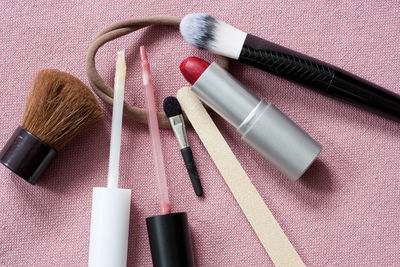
<point x="26" y="155"/>
<point x="318" y="75"/>
<point x="192" y="170"/>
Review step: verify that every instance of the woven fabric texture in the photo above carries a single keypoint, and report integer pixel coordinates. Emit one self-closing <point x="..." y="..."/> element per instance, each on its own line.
<point x="343" y="212"/>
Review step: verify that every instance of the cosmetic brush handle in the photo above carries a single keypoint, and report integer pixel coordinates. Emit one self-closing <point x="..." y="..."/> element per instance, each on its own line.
<point x="318" y="75"/>
<point x="192" y="170"/>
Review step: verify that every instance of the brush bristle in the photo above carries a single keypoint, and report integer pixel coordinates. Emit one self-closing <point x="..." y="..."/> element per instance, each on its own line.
<point x="59" y="108"/>
<point x="206" y="32"/>
<point x="172" y="107"/>
<point x="198" y="29"/>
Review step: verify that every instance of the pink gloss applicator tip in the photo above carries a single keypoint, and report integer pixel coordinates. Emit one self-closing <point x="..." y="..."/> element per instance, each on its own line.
<point x="165" y="208"/>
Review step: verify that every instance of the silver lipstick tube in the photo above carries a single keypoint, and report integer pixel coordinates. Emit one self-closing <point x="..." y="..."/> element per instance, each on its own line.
<point x="261" y="125"/>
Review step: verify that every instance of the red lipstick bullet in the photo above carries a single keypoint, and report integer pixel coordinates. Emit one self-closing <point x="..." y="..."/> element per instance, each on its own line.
<point x="192" y="68"/>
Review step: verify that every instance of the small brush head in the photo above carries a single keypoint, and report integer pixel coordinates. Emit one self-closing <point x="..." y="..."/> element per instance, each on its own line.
<point x="206" y="32"/>
<point x="59" y="108"/>
<point x="198" y="29"/>
<point x="172" y="107"/>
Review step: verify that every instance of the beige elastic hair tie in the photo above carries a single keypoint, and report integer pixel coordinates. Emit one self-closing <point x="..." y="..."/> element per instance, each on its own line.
<point x="271" y="235"/>
<point x="114" y="31"/>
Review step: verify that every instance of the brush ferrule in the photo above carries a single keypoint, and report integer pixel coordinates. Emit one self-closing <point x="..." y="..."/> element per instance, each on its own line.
<point x="178" y="126"/>
<point x="227" y="40"/>
<point x="206" y="32"/>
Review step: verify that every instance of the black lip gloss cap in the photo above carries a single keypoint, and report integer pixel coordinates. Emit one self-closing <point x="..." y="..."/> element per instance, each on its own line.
<point x="170" y="241"/>
<point x="26" y="155"/>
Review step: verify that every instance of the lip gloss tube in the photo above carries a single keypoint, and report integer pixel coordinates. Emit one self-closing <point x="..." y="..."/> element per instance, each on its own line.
<point x="262" y="125"/>
<point x="169" y="234"/>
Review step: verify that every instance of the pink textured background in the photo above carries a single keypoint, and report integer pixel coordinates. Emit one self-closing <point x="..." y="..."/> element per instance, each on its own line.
<point x="343" y="212"/>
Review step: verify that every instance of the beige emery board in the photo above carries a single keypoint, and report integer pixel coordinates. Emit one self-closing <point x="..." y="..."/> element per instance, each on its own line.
<point x="271" y="235"/>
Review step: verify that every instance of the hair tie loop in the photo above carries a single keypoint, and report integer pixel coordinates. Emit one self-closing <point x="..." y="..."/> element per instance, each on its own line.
<point x="114" y="31"/>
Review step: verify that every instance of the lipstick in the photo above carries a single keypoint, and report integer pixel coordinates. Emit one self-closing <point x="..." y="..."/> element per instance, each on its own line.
<point x="262" y="125"/>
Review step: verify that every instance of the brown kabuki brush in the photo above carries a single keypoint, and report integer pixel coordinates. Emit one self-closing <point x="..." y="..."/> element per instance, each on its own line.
<point x="59" y="108"/>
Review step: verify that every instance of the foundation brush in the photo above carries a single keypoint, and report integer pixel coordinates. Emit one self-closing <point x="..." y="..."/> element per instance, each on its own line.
<point x="59" y="108"/>
<point x="174" y="113"/>
<point x="206" y="32"/>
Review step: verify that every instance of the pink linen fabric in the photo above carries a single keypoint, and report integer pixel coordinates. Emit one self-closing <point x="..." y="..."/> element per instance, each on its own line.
<point x="343" y="212"/>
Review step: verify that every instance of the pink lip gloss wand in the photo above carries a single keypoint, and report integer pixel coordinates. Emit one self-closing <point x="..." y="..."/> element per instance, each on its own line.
<point x="165" y="206"/>
<point x="169" y="236"/>
<point x="109" y="229"/>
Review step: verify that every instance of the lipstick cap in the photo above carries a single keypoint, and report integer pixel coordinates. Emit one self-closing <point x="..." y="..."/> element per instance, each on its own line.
<point x="279" y="140"/>
<point x="170" y="241"/>
<point x="26" y="155"/>
<point x="267" y="130"/>
<point x="109" y="228"/>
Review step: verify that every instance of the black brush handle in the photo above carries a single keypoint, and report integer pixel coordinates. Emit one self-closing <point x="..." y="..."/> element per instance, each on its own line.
<point x="318" y="75"/>
<point x="192" y="170"/>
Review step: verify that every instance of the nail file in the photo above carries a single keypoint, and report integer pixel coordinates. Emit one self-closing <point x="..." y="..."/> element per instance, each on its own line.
<point x="266" y="227"/>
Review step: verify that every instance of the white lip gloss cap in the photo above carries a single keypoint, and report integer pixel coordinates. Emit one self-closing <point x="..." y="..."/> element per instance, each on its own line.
<point x="109" y="229"/>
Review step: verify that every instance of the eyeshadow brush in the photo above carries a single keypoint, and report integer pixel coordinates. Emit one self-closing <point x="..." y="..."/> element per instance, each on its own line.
<point x="174" y="113"/>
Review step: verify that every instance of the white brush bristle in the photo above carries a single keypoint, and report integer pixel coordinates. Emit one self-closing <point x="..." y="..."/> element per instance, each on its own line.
<point x="203" y="31"/>
<point x="194" y="29"/>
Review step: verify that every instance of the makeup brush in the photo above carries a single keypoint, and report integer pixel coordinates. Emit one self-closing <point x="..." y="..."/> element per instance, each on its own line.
<point x="206" y="32"/>
<point x="174" y="112"/>
<point x="59" y="108"/>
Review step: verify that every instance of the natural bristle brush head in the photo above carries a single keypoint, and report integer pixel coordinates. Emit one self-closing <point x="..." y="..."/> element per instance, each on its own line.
<point x="59" y="108"/>
<point x="172" y="107"/>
